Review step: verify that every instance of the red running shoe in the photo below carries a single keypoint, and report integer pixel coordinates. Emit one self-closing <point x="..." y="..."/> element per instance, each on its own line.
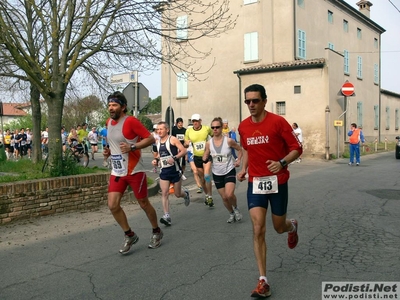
<point x="293" y="238"/>
<point x="262" y="290"/>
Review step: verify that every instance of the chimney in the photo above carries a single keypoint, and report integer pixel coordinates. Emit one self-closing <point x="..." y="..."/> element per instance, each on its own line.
<point x="364" y="7"/>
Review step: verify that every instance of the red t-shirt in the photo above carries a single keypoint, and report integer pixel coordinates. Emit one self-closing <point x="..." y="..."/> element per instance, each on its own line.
<point x="271" y="139"/>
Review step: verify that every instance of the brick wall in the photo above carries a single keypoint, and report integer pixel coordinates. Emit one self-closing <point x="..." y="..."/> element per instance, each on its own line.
<point x="26" y="199"/>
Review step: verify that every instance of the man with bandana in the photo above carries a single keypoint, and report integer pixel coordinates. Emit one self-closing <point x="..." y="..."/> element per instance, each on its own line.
<point x="126" y="136"/>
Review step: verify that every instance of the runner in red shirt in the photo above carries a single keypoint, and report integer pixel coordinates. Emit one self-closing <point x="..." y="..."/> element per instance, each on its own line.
<point x="126" y="136"/>
<point x="269" y="145"/>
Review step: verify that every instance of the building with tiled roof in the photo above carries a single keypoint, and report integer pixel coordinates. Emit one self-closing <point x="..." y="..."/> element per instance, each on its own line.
<point x="302" y="52"/>
<point x="11" y="111"/>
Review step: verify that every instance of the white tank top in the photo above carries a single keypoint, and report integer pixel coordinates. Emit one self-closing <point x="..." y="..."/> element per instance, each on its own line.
<point x="222" y="159"/>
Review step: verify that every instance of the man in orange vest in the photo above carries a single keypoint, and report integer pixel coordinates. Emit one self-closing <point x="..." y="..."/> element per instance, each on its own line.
<point x="356" y="136"/>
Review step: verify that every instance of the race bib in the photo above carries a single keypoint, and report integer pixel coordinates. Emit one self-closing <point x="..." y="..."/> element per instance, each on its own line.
<point x="265" y="185"/>
<point x="117" y="163"/>
<point x="199" y="146"/>
<point x="218" y="158"/>
<point x="180" y="137"/>
<point x="164" y="161"/>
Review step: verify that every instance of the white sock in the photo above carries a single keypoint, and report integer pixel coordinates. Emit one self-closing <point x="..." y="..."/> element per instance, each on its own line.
<point x="166" y="215"/>
<point x="263" y="277"/>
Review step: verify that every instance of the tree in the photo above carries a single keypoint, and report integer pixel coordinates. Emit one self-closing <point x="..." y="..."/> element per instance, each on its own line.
<point x="153" y="107"/>
<point x="49" y="41"/>
<point x="77" y="111"/>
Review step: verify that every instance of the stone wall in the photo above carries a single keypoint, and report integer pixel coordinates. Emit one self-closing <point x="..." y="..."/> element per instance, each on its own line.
<point x="27" y="199"/>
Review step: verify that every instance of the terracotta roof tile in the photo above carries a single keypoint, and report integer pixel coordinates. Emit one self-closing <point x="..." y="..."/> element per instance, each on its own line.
<point x="295" y="64"/>
<point x="10" y="109"/>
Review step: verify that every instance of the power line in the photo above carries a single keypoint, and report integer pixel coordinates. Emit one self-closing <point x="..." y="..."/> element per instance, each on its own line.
<point x="394" y="5"/>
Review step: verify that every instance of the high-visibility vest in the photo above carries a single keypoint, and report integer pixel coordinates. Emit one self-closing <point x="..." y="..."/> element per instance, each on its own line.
<point x="355" y="137"/>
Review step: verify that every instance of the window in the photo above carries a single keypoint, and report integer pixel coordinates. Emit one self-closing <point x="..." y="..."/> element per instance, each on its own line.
<point x="181" y="85"/>
<point x="249" y="1"/>
<point x="301" y="37"/>
<point x="251" y="46"/>
<point x="376" y="117"/>
<point x="181" y="28"/>
<point x="376" y="43"/>
<point x="359" y="67"/>
<point x="280" y="108"/>
<point x="297" y="89"/>
<point x="376" y="74"/>
<point x="330" y="17"/>
<point x="359" y="33"/>
<point x="330" y="46"/>
<point x="387" y="118"/>
<point x="346" y="62"/>
<point x="396" y="119"/>
<point x="359" y="114"/>
<point x="300" y="3"/>
<point x="345" y="26"/>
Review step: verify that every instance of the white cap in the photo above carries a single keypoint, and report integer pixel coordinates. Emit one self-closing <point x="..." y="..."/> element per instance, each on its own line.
<point x="225" y="121"/>
<point x="155" y="126"/>
<point x="196" y="117"/>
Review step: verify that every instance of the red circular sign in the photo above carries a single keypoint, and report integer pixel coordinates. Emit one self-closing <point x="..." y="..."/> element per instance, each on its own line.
<point x="347" y="89"/>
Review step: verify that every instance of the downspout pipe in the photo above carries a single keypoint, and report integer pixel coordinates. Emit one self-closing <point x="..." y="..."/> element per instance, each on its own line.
<point x="240" y="97"/>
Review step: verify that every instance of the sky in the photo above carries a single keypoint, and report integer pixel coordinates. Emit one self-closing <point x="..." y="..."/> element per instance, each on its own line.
<point x="383" y="12"/>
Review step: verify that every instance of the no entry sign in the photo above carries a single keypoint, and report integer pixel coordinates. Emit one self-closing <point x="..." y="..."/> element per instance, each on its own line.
<point x="347" y="89"/>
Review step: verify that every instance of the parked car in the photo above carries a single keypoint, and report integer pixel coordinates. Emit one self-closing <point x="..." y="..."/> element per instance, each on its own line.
<point x="397" y="153"/>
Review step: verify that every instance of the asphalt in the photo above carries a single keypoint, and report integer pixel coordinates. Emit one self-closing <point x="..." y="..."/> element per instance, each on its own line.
<point x="348" y="229"/>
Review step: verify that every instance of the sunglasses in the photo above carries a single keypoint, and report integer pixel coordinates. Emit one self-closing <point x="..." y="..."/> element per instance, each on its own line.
<point x="215" y="127"/>
<point x="255" y="101"/>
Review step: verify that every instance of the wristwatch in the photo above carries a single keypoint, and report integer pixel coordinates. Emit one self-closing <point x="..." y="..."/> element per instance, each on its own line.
<point x="283" y="163"/>
<point x="133" y="147"/>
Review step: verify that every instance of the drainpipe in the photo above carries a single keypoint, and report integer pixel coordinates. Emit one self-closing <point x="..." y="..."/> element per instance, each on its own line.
<point x="327" y="112"/>
<point x="240" y="97"/>
<point x="294" y="31"/>
<point x="379" y="99"/>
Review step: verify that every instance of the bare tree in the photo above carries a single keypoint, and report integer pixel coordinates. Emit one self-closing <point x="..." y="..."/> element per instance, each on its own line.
<point x="48" y="41"/>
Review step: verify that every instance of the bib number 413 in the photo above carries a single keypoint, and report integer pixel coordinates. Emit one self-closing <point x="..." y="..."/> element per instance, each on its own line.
<point x="265" y="185"/>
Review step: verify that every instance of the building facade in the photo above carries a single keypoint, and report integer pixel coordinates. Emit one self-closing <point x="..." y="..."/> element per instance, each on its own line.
<point x="302" y="51"/>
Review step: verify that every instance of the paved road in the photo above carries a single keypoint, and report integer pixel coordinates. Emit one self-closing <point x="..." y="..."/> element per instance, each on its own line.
<point x="349" y="220"/>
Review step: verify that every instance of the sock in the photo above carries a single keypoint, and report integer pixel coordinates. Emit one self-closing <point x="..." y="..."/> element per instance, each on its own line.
<point x="129" y="232"/>
<point x="166" y="215"/>
<point x="293" y="228"/>
<point x="263" y="277"/>
<point x="156" y="230"/>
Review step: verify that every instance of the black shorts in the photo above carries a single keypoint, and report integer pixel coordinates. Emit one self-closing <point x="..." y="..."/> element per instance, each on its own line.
<point x="221" y="180"/>
<point x="198" y="161"/>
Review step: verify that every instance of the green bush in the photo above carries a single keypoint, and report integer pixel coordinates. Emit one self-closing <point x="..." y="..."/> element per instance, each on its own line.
<point x="3" y="156"/>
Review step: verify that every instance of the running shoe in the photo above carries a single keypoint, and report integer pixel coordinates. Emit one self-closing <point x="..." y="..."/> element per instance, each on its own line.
<point x="262" y="290"/>
<point x="357" y="164"/>
<point x="238" y="215"/>
<point x="210" y="201"/>
<point x="350" y="163"/>
<point x="128" y="242"/>
<point x="183" y="177"/>
<point x="187" y="196"/>
<point x="166" y="221"/>
<point x="231" y="218"/>
<point x="105" y="164"/>
<point x="293" y="238"/>
<point x="155" y="240"/>
<point x="199" y="190"/>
